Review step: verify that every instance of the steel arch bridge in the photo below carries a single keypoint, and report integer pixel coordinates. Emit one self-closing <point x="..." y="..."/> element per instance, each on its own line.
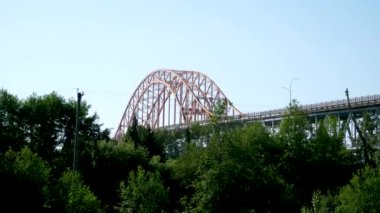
<point x="173" y="97"/>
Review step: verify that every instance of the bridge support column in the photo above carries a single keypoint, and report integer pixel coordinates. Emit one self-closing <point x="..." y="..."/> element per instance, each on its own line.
<point x="316" y="122"/>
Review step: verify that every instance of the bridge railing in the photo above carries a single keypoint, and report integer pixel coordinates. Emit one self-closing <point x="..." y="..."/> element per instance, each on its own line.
<point x="357" y="102"/>
<point x="318" y="107"/>
<point x="342" y="104"/>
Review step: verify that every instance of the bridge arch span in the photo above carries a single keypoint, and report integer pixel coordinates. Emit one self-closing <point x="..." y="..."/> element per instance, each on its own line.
<point x="173" y="97"/>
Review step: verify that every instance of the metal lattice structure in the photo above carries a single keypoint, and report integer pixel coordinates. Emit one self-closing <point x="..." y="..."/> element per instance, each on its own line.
<point x="173" y="97"/>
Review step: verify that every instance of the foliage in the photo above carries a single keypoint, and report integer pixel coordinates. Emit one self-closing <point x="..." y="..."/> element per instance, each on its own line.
<point x="332" y="164"/>
<point x="173" y="141"/>
<point x="74" y="196"/>
<point x="44" y="123"/>
<point x="132" y="132"/>
<point x="144" y="193"/>
<point x="112" y="164"/>
<point x="295" y="152"/>
<point x="370" y="126"/>
<point x="47" y="119"/>
<point x="237" y="174"/>
<point x="11" y="134"/>
<point x="313" y="159"/>
<point x="29" y="165"/>
<point x="233" y="173"/>
<point x="23" y="181"/>
<point x="219" y="111"/>
<point x="145" y="137"/>
<point x="294" y="128"/>
<point x="223" y="166"/>
<point x="321" y="203"/>
<point x="362" y="194"/>
<point x="183" y="171"/>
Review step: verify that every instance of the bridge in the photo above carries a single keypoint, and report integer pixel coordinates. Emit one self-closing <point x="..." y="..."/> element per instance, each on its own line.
<point x="178" y="98"/>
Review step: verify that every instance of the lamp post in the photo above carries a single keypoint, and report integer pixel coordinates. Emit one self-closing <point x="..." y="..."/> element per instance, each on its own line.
<point x="76" y="136"/>
<point x="290" y="89"/>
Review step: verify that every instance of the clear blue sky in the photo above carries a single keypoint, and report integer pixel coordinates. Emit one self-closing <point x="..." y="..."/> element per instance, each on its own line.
<point x="249" y="48"/>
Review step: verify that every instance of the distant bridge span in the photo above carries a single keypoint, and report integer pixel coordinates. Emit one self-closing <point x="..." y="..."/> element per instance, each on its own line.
<point x="315" y="112"/>
<point x="177" y="98"/>
<point x="173" y="97"/>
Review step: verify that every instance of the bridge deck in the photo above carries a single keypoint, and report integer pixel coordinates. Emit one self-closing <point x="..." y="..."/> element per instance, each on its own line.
<point x="330" y="107"/>
<point x="318" y="110"/>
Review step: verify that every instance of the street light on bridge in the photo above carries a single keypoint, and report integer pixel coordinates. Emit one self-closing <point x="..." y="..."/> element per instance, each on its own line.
<point x="290" y="89"/>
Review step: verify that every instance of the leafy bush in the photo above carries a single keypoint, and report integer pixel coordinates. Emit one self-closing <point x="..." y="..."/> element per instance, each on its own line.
<point x="74" y="196"/>
<point x="143" y="193"/>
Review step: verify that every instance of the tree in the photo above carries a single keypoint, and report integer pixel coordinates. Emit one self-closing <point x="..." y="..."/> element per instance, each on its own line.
<point x="143" y="193"/>
<point x="331" y="163"/>
<point x="171" y="140"/>
<point x="47" y="119"/>
<point x="112" y="164"/>
<point x="145" y="137"/>
<point x="184" y="170"/>
<point x="294" y="127"/>
<point x="219" y="111"/>
<point x="23" y="181"/>
<point x="362" y="194"/>
<point x="313" y="159"/>
<point x="234" y="173"/>
<point x="295" y="157"/>
<point x="11" y="132"/>
<point x="132" y="132"/>
<point x="148" y="140"/>
<point x="175" y="141"/>
<point x="49" y="123"/>
<point x="371" y="130"/>
<point x="242" y="176"/>
<point x="73" y="196"/>
<point x="321" y="203"/>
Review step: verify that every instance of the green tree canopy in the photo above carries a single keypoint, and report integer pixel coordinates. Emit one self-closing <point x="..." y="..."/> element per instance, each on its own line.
<point x="143" y="193"/>
<point x="11" y="124"/>
<point x="24" y="179"/>
<point x="73" y="196"/>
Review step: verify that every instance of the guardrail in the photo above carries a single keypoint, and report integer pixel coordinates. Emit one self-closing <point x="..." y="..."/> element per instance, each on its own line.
<point x="357" y="102"/>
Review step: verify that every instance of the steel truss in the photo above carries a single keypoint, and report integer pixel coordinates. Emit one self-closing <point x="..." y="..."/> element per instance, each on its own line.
<point x="173" y="97"/>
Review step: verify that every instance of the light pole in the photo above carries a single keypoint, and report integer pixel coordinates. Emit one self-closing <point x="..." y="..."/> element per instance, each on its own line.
<point x="290" y="89"/>
<point x="76" y="136"/>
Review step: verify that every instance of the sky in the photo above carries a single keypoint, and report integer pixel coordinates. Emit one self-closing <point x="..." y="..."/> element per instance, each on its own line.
<point x="251" y="49"/>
